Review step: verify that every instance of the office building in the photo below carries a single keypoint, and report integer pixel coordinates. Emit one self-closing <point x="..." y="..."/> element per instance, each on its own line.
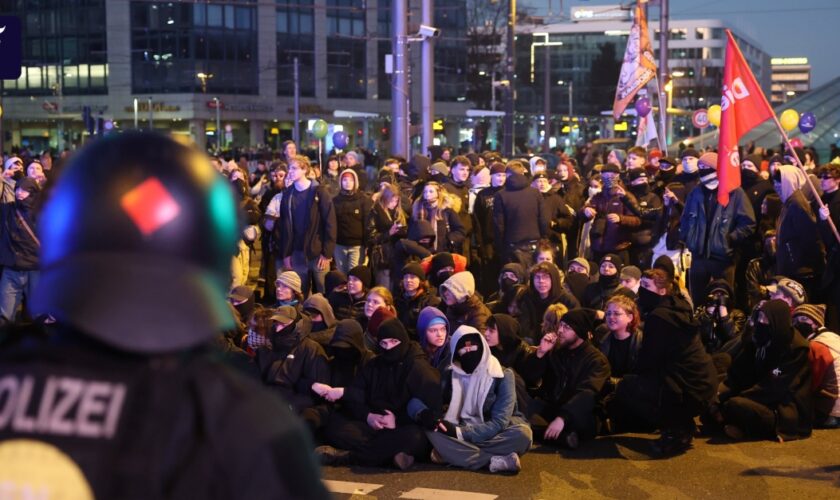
<point x="791" y="78"/>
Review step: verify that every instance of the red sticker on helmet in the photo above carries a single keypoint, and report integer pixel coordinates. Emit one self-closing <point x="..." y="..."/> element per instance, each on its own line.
<point x="150" y="206"/>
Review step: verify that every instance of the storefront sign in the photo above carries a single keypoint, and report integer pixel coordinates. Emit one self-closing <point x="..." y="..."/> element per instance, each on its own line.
<point x="157" y="107"/>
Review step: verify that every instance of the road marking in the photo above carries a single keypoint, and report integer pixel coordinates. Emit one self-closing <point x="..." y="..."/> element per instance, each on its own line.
<point x="350" y="488"/>
<point x="432" y="494"/>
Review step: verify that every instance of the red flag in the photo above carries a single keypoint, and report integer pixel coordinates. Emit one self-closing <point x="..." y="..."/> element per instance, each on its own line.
<point x="743" y="106"/>
<point x="638" y="67"/>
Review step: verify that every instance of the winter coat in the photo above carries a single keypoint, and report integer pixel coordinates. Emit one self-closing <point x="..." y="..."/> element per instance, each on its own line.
<point x="351" y="216"/>
<point x="650" y="208"/>
<point x="440" y="357"/>
<point x="449" y="232"/>
<point x="519" y="213"/>
<point x="776" y="374"/>
<point x="560" y="218"/>
<point x="319" y="238"/>
<point x="324" y="331"/>
<point x="18" y="250"/>
<point x="379" y="238"/>
<point x="633" y="355"/>
<point x="408" y="308"/>
<point x="608" y="237"/>
<point x="469" y="309"/>
<point x="730" y="225"/>
<point x="483" y="217"/>
<point x="798" y="252"/>
<point x="462" y="191"/>
<point x="572" y="384"/>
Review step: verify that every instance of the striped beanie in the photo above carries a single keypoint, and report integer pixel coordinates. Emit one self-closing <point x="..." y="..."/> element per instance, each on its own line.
<point x="814" y="312"/>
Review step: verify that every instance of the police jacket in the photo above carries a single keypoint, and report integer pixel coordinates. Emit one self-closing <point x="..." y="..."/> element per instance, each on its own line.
<point x="139" y="427"/>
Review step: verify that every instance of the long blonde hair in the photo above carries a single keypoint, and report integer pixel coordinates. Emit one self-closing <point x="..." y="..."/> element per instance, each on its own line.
<point x="421" y="210"/>
<point x="387" y="193"/>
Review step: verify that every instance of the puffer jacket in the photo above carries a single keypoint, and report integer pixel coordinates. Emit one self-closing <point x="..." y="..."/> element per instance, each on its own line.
<point x="351" y="213"/>
<point x="469" y="309"/>
<point x="605" y="236"/>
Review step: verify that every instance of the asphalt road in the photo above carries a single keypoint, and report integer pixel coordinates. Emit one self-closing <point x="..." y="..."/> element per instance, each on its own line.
<point x="618" y="467"/>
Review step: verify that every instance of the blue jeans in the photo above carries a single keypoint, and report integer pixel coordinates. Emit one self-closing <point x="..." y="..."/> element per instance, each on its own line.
<point x="14" y="286"/>
<point x="347" y="257"/>
<point x="308" y="272"/>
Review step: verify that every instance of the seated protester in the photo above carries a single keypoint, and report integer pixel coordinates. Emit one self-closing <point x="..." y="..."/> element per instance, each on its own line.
<point x="577" y="277"/>
<point x="809" y="319"/>
<point x="242" y="299"/>
<point x="482" y="426"/>
<point x="463" y="305"/>
<point x="680" y="292"/>
<point x="573" y="374"/>
<point x="294" y="361"/>
<point x="441" y="266"/>
<point x="321" y="316"/>
<point x="674" y="378"/>
<point x="433" y="331"/>
<point x="719" y="321"/>
<point x="334" y="281"/>
<point x="379" y="306"/>
<point x="350" y="304"/>
<point x="767" y="392"/>
<point x="631" y="278"/>
<point x="511" y="276"/>
<point x="374" y="427"/>
<point x="288" y="290"/>
<point x="545" y="251"/>
<point x="609" y="280"/>
<point x="414" y="295"/>
<point x="546" y="288"/>
<point x="506" y="345"/>
<point x="622" y="345"/>
<point x="417" y="246"/>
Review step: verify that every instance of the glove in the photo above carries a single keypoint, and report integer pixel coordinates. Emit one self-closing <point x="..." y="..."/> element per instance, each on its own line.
<point x="427" y="419"/>
<point x="450" y="431"/>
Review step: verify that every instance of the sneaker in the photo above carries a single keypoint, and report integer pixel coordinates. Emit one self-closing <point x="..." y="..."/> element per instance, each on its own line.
<point x="436" y="458"/>
<point x="403" y="461"/>
<point x="332" y="456"/>
<point x="672" y="443"/>
<point x="733" y="432"/>
<point x="505" y="463"/>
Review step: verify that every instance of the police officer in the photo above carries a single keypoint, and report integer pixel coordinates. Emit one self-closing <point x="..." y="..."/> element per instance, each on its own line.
<point x="124" y="397"/>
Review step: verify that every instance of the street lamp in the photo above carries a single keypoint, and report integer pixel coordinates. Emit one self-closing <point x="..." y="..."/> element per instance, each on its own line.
<point x="204" y="77"/>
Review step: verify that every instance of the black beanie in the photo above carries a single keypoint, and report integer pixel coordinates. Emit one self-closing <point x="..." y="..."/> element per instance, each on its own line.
<point x="441" y="260"/>
<point x="665" y="263"/>
<point x="582" y="321"/>
<point x="362" y="273"/>
<point x="333" y="279"/>
<point x="615" y="259"/>
<point x="414" y="268"/>
<point x="468" y="351"/>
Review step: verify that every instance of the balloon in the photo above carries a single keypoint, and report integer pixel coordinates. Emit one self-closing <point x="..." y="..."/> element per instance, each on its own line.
<point x="807" y="122"/>
<point x="643" y="106"/>
<point x="340" y="140"/>
<point x="797" y="143"/>
<point x="714" y="115"/>
<point x="789" y="119"/>
<point x="320" y="129"/>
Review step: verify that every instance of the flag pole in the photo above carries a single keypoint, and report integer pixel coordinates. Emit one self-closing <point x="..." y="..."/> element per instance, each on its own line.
<point x="663" y="137"/>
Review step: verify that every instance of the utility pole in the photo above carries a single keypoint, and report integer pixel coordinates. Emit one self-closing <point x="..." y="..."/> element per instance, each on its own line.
<point x="507" y="148"/>
<point x="546" y="96"/>
<point x="571" y="98"/>
<point x="663" y="69"/>
<point x="151" y="116"/>
<point x="218" y="124"/>
<point x="296" y="128"/>
<point x="399" y="88"/>
<point x="427" y="79"/>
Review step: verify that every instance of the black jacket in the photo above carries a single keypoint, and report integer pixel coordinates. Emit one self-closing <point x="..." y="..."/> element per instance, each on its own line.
<point x="351" y="213"/>
<point x="408" y="309"/>
<point x="236" y="439"/>
<point x="18" y="250"/>
<point x="729" y="225"/>
<point x="319" y="239"/>
<point x="379" y="239"/>
<point x="572" y="384"/>
<point x="798" y="252"/>
<point x="776" y="374"/>
<point x="462" y="191"/>
<point x="483" y="215"/>
<point x="519" y="213"/>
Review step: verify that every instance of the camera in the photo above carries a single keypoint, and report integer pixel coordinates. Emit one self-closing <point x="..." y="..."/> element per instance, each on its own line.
<point x="428" y="31"/>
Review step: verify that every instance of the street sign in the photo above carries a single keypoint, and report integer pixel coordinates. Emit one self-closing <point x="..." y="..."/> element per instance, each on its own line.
<point x="700" y="118"/>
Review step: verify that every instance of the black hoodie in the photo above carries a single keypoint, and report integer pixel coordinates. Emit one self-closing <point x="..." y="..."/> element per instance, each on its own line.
<point x="557" y="294"/>
<point x="511" y="349"/>
<point x="519" y="213"/>
<point x="775" y="372"/>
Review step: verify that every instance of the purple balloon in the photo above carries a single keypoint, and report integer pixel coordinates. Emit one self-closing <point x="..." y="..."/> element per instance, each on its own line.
<point x="340" y="140"/>
<point x="643" y="106"/>
<point x="807" y="122"/>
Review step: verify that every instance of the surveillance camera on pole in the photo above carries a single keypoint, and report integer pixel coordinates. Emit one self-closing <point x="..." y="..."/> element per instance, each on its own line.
<point x="428" y="31"/>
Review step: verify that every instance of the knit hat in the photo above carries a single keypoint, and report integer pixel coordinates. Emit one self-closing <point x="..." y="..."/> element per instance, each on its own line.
<point x="333" y="279"/>
<point x="291" y="280"/>
<point x="707" y="161"/>
<point x="610" y="168"/>
<point x="414" y="268"/>
<point x="793" y="289"/>
<point x="620" y="154"/>
<point x="754" y="159"/>
<point x="582" y="321"/>
<point x="665" y="263"/>
<point x="689" y="152"/>
<point x="631" y="272"/>
<point x="667" y="162"/>
<point x="377" y="318"/>
<point x="814" y="312"/>
<point x="362" y="273"/>
<point x="584" y="263"/>
<point x="497" y="168"/>
<point x="439" y="168"/>
<point x="441" y="260"/>
<point x="637" y="173"/>
<point x="611" y="257"/>
<point x="357" y="156"/>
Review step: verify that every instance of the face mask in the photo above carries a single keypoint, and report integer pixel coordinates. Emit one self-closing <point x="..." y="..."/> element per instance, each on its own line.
<point x="344" y="353"/>
<point x="711" y="185"/>
<point x="469" y="355"/>
<point x="805" y="329"/>
<point x="609" y="281"/>
<point x="640" y="189"/>
<point x="441" y="277"/>
<point x="593" y="191"/>
<point x="508" y="284"/>
<point x="762" y="334"/>
<point x="648" y="300"/>
<point x="749" y="176"/>
<point x="285" y="338"/>
<point x="255" y="340"/>
<point x="395" y="353"/>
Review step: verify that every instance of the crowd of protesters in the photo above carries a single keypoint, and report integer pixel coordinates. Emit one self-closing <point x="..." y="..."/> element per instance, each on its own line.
<point x="455" y="309"/>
